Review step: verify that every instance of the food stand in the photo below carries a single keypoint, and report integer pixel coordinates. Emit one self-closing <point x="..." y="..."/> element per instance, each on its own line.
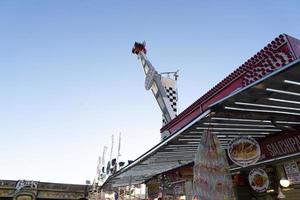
<point x="259" y="100"/>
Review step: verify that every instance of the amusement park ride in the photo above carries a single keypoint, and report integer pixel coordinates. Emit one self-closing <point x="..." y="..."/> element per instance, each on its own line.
<point x="163" y="88"/>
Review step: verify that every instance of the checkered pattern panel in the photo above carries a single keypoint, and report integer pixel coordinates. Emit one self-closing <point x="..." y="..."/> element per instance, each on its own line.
<point x="172" y="96"/>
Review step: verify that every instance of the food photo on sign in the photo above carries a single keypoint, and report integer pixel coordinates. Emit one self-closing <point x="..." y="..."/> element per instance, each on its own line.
<point x="258" y="180"/>
<point x="244" y="151"/>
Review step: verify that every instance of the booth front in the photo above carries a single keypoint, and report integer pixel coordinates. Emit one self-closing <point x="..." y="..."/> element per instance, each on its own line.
<point x="253" y="118"/>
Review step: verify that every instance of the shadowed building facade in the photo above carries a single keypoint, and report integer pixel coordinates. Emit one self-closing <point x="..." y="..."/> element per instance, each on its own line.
<point x="34" y="190"/>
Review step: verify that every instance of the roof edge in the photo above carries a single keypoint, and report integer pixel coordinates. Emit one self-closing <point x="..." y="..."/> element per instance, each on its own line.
<point x="279" y="52"/>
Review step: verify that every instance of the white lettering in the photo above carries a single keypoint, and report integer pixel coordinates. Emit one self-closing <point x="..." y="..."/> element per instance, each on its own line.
<point x="281" y="146"/>
<point x="285" y="146"/>
<point x="292" y="142"/>
<point x="269" y="147"/>
<point x="23" y="183"/>
<point x="298" y="141"/>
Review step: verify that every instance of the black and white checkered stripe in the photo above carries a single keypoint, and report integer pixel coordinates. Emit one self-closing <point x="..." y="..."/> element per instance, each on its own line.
<point x="172" y="96"/>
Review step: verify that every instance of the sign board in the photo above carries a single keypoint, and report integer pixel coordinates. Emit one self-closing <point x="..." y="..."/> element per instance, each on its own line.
<point x="244" y="151"/>
<point x="280" y="145"/>
<point x="258" y="180"/>
<point x="292" y="172"/>
<point x="24" y="183"/>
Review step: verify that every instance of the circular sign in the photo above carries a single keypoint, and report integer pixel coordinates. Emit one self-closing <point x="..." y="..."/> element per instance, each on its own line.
<point x="258" y="180"/>
<point x="24" y="197"/>
<point x="244" y="151"/>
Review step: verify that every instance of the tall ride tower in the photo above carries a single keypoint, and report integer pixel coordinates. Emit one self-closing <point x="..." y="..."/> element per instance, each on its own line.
<point x="163" y="88"/>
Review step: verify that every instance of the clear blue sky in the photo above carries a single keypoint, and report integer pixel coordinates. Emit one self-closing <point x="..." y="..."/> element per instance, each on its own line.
<point x="69" y="80"/>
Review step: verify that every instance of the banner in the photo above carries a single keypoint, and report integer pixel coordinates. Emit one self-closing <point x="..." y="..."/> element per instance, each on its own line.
<point x="171" y="92"/>
<point x="212" y="180"/>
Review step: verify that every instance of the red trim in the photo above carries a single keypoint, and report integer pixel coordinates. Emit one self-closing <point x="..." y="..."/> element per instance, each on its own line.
<point x="281" y="51"/>
<point x="294" y="45"/>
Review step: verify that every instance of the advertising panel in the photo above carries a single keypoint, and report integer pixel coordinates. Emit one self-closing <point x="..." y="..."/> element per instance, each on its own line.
<point x="258" y="180"/>
<point x="244" y="151"/>
<point x="292" y="172"/>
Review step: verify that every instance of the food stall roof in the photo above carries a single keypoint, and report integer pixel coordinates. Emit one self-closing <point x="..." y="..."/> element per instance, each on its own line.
<point x="265" y="106"/>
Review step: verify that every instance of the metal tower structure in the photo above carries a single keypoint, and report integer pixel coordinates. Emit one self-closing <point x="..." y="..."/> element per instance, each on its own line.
<point x="102" y="172"/>
<point x="163" y="88"/>
<point x="119" y="152"/>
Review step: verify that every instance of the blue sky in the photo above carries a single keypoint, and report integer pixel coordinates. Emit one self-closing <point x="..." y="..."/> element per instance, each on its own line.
<point x="69" y="80"/>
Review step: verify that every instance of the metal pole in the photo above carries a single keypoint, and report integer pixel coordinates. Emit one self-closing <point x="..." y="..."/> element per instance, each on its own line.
<point x="119" y="152"/>
<point x="130" y="180"/>
<point x="163" y="188"/>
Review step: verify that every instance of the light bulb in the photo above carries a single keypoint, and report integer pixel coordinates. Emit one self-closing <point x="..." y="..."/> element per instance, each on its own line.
<point x="284" y="182"/>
